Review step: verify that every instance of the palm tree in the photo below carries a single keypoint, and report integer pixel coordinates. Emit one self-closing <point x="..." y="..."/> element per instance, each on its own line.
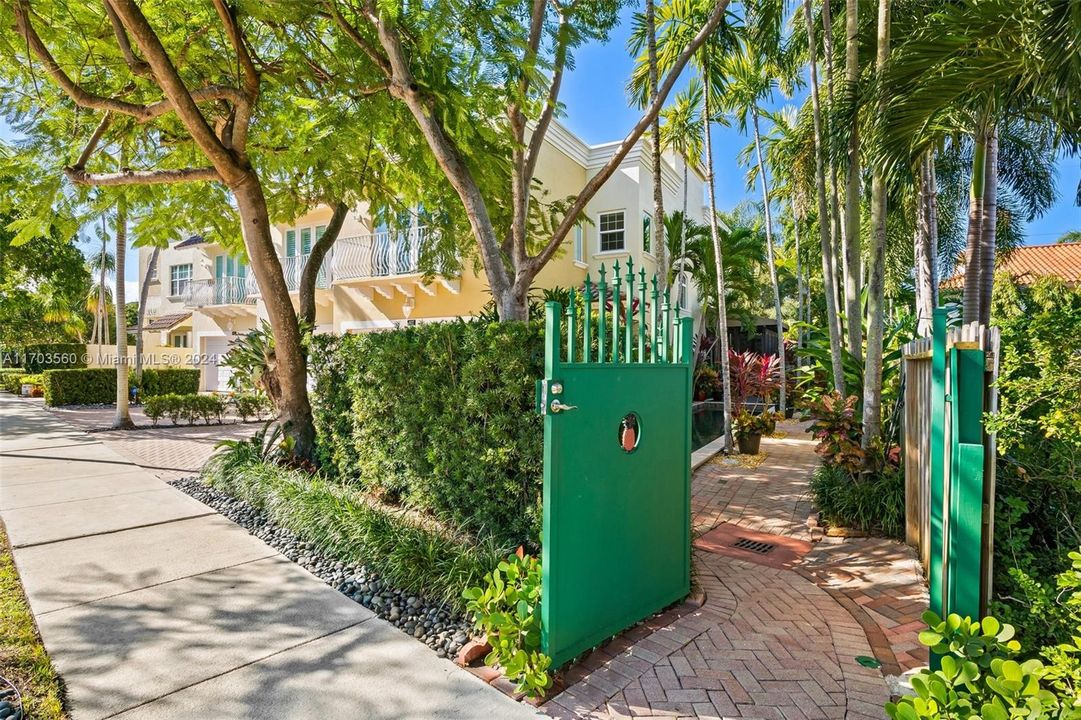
<point x="743" y="248"/>
<point x="657" y="227"/>
<point x="99" y="298"/>
<point x="748" y="79"/>
<point x="122" y="419"/>
<point x="144" y="293"/>
<point x="851" y="238"/>
<point x="682" y="134"/>
<point x="828" y="278"/>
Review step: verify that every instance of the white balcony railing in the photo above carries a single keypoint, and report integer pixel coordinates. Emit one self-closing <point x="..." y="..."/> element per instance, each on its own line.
<point x="382" y="254"/>
<point x="220" y="291"/>
<point x="293" y="267"/>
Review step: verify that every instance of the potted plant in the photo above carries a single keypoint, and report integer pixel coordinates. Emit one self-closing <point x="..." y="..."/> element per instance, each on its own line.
<point x="771" y="418"/>
<point x="749" y="430"/>
<point x="706" y="381"/>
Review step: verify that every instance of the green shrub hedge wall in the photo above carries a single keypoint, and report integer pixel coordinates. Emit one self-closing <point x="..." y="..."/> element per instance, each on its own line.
<point x="37" y="358"/>
<point x="11" y="379"/>
<point x="81" y="386"/>
<point x="438" y="416"/>
<point x="166" y="381"/>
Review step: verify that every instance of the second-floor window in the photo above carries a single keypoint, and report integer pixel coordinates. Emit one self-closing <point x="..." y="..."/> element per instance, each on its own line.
<point x="179" y="279"/>
<point x="612" y="231"/>
<point x="307" y="236"/>
<point x="579" y="244"/>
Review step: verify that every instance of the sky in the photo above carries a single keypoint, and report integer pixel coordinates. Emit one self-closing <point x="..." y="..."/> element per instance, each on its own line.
<point x="595" y="99"/>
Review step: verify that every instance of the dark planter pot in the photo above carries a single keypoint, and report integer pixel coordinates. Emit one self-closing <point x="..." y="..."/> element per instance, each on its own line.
<point x="749" y="443"/>
<point x="789" y="412"/>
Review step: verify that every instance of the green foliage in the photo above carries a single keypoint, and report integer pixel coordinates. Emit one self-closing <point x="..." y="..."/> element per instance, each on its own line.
<point x="439" y="417"/>
<point x="981" y="677"/>
<point x="251" y="405"/>
<point x="162" y="381"/>
<point x="1038" y="492"/>
<point x="54" y="356"/>
<point x="80" y="386"/>
<point x="747" y="423"/>
<point x="706" y="380"/>
<point x="873" y="503"/>
<point x="837" y="430"/>
<point x="189" y="407"/>
<point x="507" y="611"/>
<point x="11" y="379"/>
<point x="409" y="552"/>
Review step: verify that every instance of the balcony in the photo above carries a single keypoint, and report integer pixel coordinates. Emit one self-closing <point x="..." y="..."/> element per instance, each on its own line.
<point x="293" y="268"/>
<point x="227" y="296"/>
<point x="386" y="261"/>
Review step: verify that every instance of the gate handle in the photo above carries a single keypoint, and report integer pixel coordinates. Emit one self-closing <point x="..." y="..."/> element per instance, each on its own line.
<point x="558" y="407"/>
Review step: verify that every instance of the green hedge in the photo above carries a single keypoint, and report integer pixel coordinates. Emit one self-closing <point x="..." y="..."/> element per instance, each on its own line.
<point x="189" y="407"/>
<point x="37" y="358"/>
<point x="166" y="381"/>
<point x="83" y="386"/>
<point x="11" y="379"/>
<point x="439" y="416"/>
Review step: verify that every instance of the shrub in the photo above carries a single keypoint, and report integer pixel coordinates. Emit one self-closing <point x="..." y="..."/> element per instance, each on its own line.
<point x="11" y="379"/>
<point x="441" y="417"/>
<point x="191" y="407"/>
<point x="162" y="381"/>
<point x="872" y="503"/>
<point x="507" y="610"/>
<point x="838" y="431"/>
<point x="83" y="386"/>
<point x="410" y="553"/>
<point x="251" y="405"/>
<point x="56" y="356"/>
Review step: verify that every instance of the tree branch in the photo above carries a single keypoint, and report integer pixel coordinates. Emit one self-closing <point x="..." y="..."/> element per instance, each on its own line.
<point x="237" y="138"/>
<point x="140" y="177"/>
<point x="536" y="140"/>
<point x="359" y="40"/>
<point x="92" y="143"/>
<point x="137" y="66"/>
<point x="310" y="274"/>
<point x="632" y="137"/>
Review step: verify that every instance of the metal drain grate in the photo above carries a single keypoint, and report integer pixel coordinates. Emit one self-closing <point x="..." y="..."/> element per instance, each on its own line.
<point x="754" y="546"/>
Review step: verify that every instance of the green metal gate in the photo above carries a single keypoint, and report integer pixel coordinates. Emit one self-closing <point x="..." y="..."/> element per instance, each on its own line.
<point x="616" y="404"/>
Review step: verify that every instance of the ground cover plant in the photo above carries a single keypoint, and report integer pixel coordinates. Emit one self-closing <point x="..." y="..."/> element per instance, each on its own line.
<point x="22" y="656"/>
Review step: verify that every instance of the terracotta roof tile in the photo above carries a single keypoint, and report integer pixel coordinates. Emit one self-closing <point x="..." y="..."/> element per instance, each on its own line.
<point x="1028" y="264"/>
<point x="166" y="322"/>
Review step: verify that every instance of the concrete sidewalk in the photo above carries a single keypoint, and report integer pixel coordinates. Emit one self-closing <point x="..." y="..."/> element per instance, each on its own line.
<point x="152" y="605"/>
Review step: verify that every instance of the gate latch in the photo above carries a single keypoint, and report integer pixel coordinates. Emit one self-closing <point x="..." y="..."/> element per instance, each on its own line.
<point x="545" y="389"/>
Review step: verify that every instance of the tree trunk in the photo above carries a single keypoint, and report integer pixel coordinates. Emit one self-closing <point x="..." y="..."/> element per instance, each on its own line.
<point x="838" y="234"/>
<point x="144" y="293"/>
<point x="932" y="220"/>
<point x="975" y="220"/>
<point x="851" y="237"/>
<point x="122" y="419"/>
<point x="718" y="261"/>
<point x="828" y="278"/>
<point x="989" y="226"/>
<point x="872" y="369"/>
<point x="681" y="279"/>
<point x="782" y="394"/>
<point x="922" y="250"/>
<point x="660" y="250"/>
<point x="294" y="409"/>
<point x="799" y="280"/>
<point x="309" y="274"/>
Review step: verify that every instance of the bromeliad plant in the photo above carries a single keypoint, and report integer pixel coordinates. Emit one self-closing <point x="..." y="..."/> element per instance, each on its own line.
<point x="507" y="610"/>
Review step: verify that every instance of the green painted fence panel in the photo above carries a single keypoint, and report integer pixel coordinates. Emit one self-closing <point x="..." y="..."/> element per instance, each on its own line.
<point x="938" y="459"/>
<point x="966" y="482"/>
<point x="616" y="533"/>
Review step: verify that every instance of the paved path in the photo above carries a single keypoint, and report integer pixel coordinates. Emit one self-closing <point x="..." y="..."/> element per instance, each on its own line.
<point x="154" y="606"/>
<point x="772" y="640"/>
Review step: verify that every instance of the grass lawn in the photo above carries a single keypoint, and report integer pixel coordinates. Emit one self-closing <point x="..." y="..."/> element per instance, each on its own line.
<point x="22" y="657"/>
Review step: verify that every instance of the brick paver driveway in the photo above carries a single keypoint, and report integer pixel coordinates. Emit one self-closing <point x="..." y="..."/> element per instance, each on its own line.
<point x="769" y="640"/>
<point x="168" y="451"/>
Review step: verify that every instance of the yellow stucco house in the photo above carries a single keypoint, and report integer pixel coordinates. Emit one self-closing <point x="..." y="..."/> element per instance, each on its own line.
<point x="201" y="298"/>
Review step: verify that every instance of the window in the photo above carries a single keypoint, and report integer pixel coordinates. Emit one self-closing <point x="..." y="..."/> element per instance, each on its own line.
<point x="305" y="241"/>
<point x="611" y="231"/>
<point x="179" y="279"/>
<point x="647" y="232"/>
<point x="290" y="243"/>
<point x="579" y="244"/>
<point x="181" y="340"/>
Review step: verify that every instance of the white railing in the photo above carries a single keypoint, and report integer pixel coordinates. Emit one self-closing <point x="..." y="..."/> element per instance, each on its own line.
<point x="293" y="268"/>
<point x="383" y="254"/>
<point x="220" y="291"/>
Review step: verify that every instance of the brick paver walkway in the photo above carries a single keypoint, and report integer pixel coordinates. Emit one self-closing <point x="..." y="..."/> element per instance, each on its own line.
<point x="768" y="642"/>
<point x="168" y="451"/>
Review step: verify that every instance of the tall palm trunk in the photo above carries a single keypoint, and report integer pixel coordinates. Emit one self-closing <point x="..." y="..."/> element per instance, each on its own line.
<point x="718" y="259"/>
<point x="122" y="419"/>
<point x="799" y="280"/>
<point x="660" y="250"/>
<point x="828" y="278"/>
<point x="835" y="201"/>
<point x="851" y="237"/>
<point x="989" y="226"/>
<point x="144" y="293"/>
<point x="872" y="369"/>
<point x="782" y="394"/>
<point x="922" y="249"/>
<point x="932" y="219"/>
<point x="975" y="220"/>
<point x="680" y="278"/>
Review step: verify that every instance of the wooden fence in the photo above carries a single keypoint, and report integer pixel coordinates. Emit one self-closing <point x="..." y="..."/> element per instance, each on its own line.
<point x="919" y="457"/>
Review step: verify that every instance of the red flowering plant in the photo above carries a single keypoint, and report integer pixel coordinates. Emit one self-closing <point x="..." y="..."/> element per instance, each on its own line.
<point x="753" y="375"/>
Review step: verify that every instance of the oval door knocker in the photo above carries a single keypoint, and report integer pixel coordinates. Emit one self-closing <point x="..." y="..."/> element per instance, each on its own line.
<point x="630" y="432"/>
